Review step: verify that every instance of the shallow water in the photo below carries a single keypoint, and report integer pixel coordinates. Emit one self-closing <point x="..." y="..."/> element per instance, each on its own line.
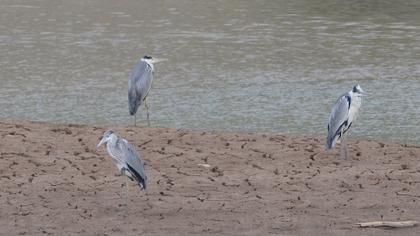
<point x="259" y="66"/>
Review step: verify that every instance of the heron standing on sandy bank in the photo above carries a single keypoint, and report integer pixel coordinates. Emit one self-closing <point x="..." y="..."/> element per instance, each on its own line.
<point x="342" y="116"/>
<point x="125" y="156"/>
<point x="139" y="86"/>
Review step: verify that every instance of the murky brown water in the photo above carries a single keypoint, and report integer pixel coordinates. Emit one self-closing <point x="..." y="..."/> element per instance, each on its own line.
<point x="261" y="66"/>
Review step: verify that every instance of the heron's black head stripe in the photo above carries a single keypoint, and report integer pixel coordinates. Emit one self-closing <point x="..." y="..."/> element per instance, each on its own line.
<point x="147" y="57"/>
<point x="108" y="132"/>
<point x="356" y="89"/>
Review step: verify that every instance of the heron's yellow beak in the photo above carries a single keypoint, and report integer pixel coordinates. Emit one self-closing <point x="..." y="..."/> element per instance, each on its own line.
<point x="103" y="140"/>
<point x="156" y="60"/>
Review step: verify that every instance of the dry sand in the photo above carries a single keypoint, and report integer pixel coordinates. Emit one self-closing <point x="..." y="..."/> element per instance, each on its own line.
<point x="54" y="182"/>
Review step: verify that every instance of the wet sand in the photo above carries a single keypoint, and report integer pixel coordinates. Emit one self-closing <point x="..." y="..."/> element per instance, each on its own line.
<point x="53" y="181"/>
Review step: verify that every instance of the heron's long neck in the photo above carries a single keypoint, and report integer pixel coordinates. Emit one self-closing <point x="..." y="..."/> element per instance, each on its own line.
<point x="112" y="141"/>
<point x="149" y="64"/>
<point x="357" y="98"/>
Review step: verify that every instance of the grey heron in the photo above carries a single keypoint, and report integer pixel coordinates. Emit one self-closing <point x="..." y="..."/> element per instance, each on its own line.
<point x="125" y="156"/>
<point x="342" y="116"/>
<point x="139" y="85"/>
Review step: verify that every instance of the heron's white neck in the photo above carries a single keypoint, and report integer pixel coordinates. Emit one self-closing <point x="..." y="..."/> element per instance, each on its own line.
<point x="112" y="139"/>
<point x="149" y="62"/>
<point x="356" y="95"/>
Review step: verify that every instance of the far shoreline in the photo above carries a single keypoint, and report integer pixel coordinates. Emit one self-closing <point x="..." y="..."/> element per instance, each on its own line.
<point x="351" y="137"/>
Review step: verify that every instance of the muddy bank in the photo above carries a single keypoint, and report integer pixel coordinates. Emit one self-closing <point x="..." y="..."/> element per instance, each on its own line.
<point x="54" y="181"/>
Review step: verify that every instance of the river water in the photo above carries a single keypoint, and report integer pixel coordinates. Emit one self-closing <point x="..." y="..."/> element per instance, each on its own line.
<point x="259" y="66"/>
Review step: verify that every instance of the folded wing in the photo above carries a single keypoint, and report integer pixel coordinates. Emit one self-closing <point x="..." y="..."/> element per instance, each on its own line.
<point x="338" y="122"/>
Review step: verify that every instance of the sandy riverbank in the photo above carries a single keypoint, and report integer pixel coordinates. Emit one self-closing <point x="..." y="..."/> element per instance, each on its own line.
<point x="53" y="181"/>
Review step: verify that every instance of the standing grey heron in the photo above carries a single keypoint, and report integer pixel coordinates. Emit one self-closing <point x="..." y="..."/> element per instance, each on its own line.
<point x="342" y="116"/>
<point x="139" y="85"/>
<point x="126" y="158"/>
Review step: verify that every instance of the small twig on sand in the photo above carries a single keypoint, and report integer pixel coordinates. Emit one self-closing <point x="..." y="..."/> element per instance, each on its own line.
<point x="406" y="194"/>
<point x="390" y="224"/>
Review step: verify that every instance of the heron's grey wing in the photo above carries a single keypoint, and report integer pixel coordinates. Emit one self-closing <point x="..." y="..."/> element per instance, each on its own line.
<point x="139" y="85"/>
<point x="134" y="164"/>
<point x="338" y="119"/>
<point x="117" y="155"/>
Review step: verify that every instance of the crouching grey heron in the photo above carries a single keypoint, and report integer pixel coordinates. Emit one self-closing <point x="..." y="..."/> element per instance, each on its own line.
<point x="126" y="158"/>
<point x="139" y="85"/>
<point x="342" y="116"/>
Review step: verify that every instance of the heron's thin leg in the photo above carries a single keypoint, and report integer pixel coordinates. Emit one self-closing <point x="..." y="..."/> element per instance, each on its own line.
<point x="344" y="147"/>
<point x="126" y="196"/>
<point x="134" y="119"/>
<point x="147" y="111"/>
